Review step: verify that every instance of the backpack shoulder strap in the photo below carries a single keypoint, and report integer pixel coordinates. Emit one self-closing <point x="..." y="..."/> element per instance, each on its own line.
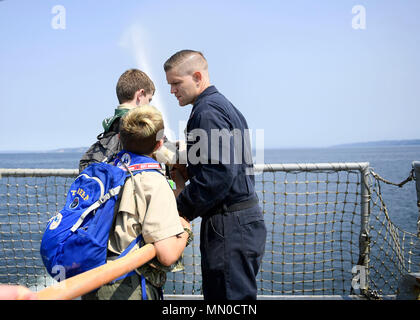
<point x="112" y="192"/>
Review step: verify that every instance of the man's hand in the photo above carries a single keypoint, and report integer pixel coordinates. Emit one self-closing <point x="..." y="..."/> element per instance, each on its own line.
<point x="182" y="169"/>
<point x="178" y="178"/>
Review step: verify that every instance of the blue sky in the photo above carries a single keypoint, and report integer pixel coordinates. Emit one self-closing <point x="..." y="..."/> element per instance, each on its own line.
<point x="296" y="69"/>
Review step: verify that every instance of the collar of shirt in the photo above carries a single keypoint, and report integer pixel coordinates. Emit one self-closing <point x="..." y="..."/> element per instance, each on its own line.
<point x="125" y="106"/>
<point x="209" y="90"/>
<point x="118" y="112"/>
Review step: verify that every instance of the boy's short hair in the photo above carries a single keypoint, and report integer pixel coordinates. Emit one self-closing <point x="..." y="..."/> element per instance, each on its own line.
<point x="132" y="81"/>
<point x="141" y="128"/>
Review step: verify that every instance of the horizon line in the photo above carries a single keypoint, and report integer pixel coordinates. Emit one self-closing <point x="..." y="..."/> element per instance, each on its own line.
<point x="400" y="142"/>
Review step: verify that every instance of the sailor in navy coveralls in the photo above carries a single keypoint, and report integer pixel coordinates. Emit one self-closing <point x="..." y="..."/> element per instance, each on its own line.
<point x="221" y="189"/>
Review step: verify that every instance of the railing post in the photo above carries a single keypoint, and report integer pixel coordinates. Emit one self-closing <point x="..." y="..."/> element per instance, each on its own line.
<point x="416" y="168"/>
<point x="364" y="238"/>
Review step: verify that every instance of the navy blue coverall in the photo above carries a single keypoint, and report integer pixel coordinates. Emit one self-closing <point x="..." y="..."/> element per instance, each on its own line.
<point x="222" y="192"/>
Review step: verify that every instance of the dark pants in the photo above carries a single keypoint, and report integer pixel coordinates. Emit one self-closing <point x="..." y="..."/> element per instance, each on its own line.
<point x="232" y="246"/>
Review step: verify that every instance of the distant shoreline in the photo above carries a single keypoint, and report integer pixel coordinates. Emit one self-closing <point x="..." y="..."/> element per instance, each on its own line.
<point x="369" y="144"/>
<point x="62" y="150"/>
<point x="382" y="143"/>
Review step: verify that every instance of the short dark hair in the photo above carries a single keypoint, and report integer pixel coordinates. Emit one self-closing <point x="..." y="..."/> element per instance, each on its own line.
<point x="179" y="57"/>
<point x="132" y="81"/>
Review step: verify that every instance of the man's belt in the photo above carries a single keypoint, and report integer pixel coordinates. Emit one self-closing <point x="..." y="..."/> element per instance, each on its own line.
<point x="235" y="206"/>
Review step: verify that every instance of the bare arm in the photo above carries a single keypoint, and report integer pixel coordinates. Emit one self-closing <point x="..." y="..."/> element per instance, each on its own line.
<point x="170" y="249"/>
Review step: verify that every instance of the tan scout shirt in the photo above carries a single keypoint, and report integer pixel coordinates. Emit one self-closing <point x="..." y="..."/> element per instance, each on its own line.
<point x="156" y="215"/>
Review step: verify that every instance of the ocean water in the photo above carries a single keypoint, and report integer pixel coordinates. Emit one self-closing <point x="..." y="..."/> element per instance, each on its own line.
<point x="40" y="160"/>
<point x="392" y="163"/>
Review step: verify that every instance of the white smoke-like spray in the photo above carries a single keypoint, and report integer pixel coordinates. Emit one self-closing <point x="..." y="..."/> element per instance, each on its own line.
<point x="134" y="39"/>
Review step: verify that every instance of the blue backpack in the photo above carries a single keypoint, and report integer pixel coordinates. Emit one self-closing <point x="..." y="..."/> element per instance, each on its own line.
<point x="77" y="237"/>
